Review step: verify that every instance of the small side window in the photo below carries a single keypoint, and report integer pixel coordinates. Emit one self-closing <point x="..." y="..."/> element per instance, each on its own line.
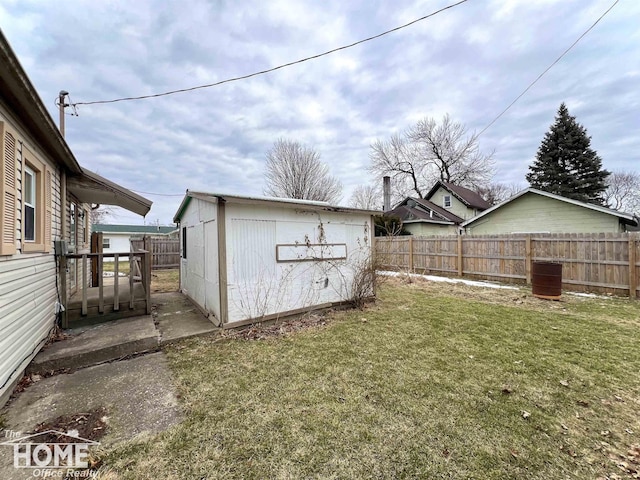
<point x="29" y="199"/>
<point x="184" y="242"/>
<point x="447" y="201"/>
<point x="106" y="243"/>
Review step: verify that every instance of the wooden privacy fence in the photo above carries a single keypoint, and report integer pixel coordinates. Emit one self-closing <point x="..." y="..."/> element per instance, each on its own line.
<point x="604" y="263"/>
<point x="165" y="251"/>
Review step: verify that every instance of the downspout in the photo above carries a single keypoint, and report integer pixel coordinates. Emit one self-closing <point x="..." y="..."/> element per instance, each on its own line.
<point x="62" y="315"/>
<point x="63" y="174"/>
<point x="63" y="204"/>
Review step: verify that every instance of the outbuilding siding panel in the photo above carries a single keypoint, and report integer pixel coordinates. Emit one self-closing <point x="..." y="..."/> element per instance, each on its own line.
<point x="211" y="276"/>
<point x="311" y="271"/>
<point x="271" y="287"/>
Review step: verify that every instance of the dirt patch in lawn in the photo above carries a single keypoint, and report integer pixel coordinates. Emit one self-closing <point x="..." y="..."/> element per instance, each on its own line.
<point x="89" y="425"/>
<point x="279" y="329"/>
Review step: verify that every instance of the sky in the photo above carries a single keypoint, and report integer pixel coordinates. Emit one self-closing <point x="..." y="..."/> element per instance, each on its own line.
<point x="470" y="61"/>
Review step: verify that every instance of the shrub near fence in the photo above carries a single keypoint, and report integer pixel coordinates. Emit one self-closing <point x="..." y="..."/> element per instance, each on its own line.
<point x="604" y="263"/>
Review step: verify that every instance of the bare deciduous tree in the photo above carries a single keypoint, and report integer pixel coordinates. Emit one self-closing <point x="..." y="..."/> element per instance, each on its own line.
<point x="401" y="159"/>
<point x="295" y="171"/>
<point x="495" y="193"/>
<point x="431" y="151"/>
<point x="366" y="197"/>
<point x="100" y="214"/>
<point x="623" y="191"/>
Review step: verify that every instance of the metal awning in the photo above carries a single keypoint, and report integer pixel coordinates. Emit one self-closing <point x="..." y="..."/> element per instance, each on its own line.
<point x="89" y="187"/>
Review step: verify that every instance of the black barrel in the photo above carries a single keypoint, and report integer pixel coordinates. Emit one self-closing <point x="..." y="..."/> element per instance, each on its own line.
<point x="546" y="280"/>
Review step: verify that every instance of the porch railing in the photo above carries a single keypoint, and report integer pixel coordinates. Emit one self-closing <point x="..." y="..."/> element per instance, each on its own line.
<point x="139" y="272"/>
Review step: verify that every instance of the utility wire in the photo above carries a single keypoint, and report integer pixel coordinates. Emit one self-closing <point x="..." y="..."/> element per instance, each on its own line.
<point x="262" y="72"/>
<point x="548" y="68"/>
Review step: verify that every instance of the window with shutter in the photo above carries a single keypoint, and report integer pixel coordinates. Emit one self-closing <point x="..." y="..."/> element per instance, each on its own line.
<point x="8" y="195"/>
<point x="36" y="197"/>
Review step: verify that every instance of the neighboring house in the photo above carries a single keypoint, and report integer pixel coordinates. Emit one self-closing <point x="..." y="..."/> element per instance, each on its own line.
<point x="441" y="212"/>
<point x="247" y="259"/>
<point x="535" y="211"/>
<point x="45" y="196"/>
<point x="116" y="238"/>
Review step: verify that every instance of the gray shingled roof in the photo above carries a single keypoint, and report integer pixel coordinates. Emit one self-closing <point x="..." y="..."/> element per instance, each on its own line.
<point x="150" y="229"/>
<point x="406" y="213"/>
<point x="465" y="195"/>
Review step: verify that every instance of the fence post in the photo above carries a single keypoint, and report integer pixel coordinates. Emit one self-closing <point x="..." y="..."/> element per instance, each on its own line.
<point x="411" y="253"/>
<point x="147" y="245"/>
<point x="460" y="269"/>
<point x="95" y="278"/>
<point x="147" y="280"/>
<point x="633" y="278"/>
<point x="85" y="285"/>
<point x="527" y="258"/>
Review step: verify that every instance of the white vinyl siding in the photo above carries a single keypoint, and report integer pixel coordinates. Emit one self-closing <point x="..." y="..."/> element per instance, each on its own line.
<point x="27" y="268"/>
<point x="27" y="313"/>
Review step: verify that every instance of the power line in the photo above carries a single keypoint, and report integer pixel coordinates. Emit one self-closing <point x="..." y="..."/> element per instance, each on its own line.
<point x="549" y="68"/>
<point x="262" y="72"/>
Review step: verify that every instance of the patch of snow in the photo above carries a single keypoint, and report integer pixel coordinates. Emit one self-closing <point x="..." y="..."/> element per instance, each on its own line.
<point x="587" y="295"/>
<point x="433" y="278"/>
<point x="111" y="274"/>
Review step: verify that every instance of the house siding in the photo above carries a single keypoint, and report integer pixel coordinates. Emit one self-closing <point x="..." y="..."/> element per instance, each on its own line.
<point x="533" y="213"/>
<point x="430" y="229"/>
<point x="27" y="313"/>
<point x="457" y="207"/>
<point x="82" y="245"/>
<point x="27" y="280"/>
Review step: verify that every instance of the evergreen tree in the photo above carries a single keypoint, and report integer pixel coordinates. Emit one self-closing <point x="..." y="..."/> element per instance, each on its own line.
<point x="565" y="163"/>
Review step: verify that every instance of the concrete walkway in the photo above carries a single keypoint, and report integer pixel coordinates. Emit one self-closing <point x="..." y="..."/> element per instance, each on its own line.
<point x="177" y="318"/>
<point x="138" y="395"/>
<point x="108" y="371"/>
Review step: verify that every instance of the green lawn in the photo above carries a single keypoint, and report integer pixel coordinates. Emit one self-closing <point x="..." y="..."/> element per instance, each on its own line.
<point x="123" y="266"/>
<point x="431" y="382"/>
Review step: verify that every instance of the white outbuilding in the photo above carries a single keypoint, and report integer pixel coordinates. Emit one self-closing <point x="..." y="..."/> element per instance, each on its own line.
<point x="249" y="259"/>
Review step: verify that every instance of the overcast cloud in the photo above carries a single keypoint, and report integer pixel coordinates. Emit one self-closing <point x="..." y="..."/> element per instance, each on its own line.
<point x="470" y="61"/>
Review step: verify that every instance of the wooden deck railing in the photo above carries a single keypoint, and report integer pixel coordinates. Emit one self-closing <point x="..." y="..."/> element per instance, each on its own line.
<point x="139" y="272"/>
